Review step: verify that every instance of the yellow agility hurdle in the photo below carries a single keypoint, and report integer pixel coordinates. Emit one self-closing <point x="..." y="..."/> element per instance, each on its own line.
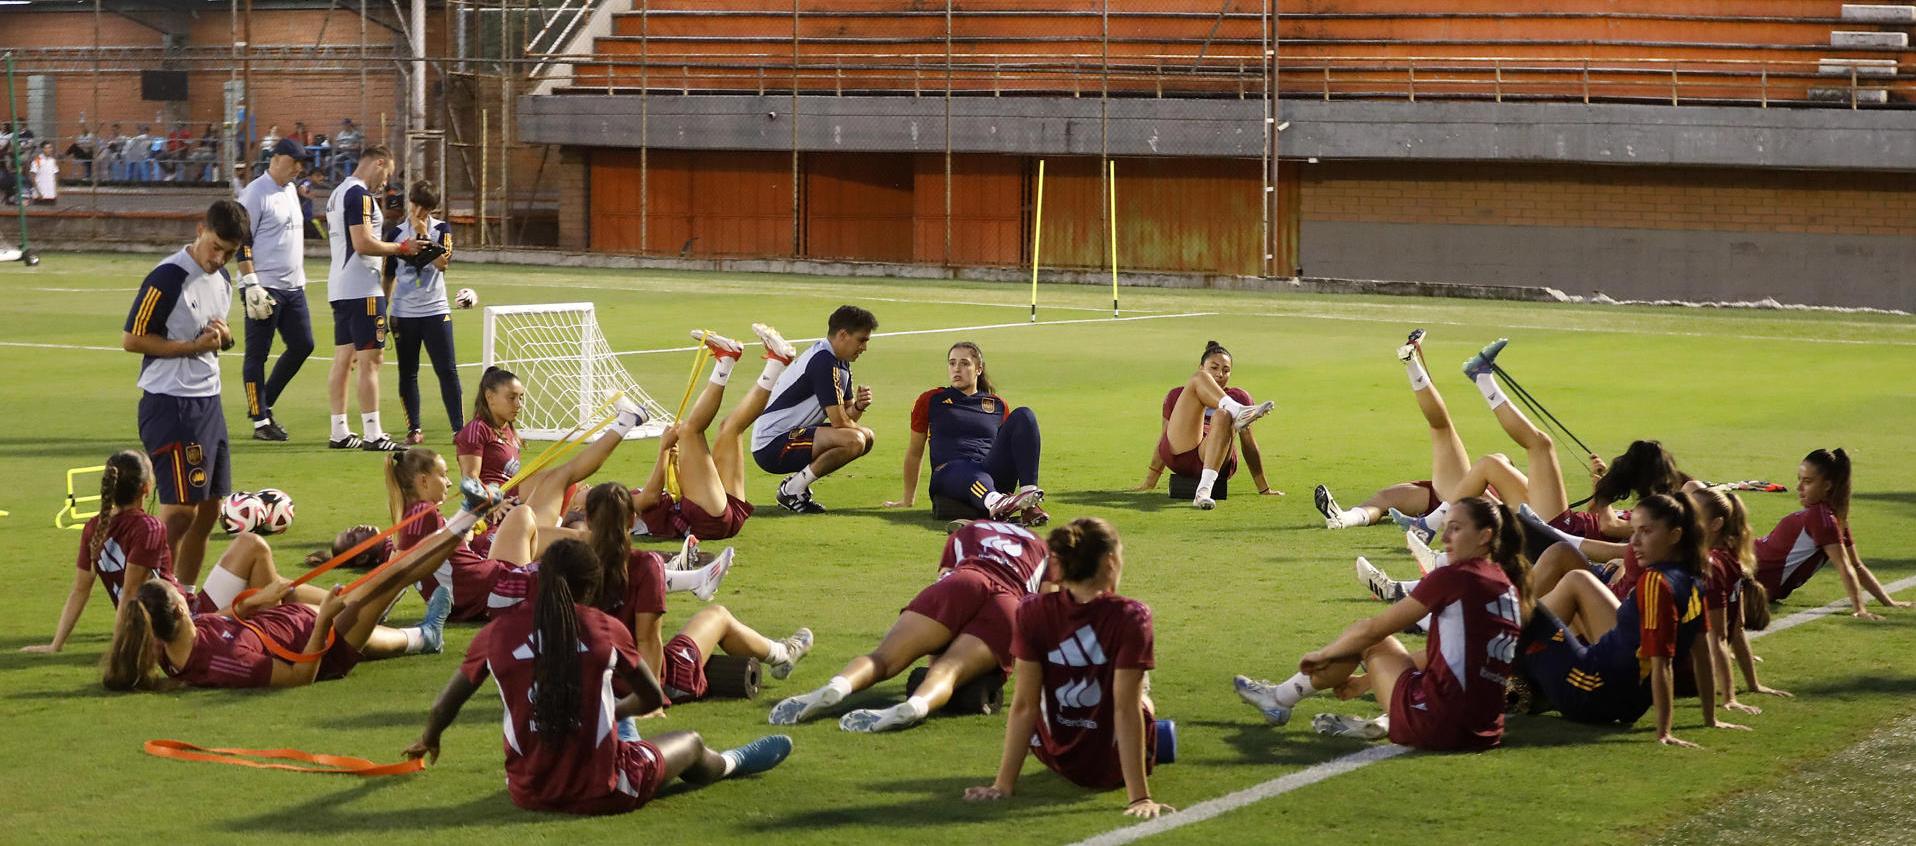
<point x="70" y="511"/>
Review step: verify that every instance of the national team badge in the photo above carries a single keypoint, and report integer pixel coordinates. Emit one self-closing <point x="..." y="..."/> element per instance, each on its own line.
<point x="197" y="478"/>
<point x="194" y="454"/>
<point x="989" y="405"/>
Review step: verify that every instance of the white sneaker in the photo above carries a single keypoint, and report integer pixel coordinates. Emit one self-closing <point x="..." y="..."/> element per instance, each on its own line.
<point x="714" y="574"/>
<point x="1381" y="586"/>
<point x="1017" y="501"/>
<point x="1345" y="725"/>
<point x="874" y="720"/>
<point x="796" y="647"/>
<point x="688" y="557"/>
<point x="1426" y="559"/>
<point x="1262" y="695"/>
<point x="804" y="706"/>
<point x="1251" y="414"/>
<point x="1204" y="503"/>
<point x="631" y="415"/>
<point x="775" y="344"/>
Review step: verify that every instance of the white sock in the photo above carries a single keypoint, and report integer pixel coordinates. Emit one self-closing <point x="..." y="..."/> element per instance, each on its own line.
<point x="261" y="424"/>
<point x="461" y="522"/>
<point x="415" y="640"/>
<point x="768" y="378"/>
<point x="1419" y="380"/>
<point x="1435" y="519"/>
<point x="1205" y="480"/>
<point x="339" y="427"/>
<point x="799" y="483"/>
<point x="730" y="757"/>
<point x="992" y="499"/>
<point x="1353" y="517"/>
<point x="722" y="371"/>
<point x="836" y="689"/>
<point x="684" y="581"/>
<point x="1487" y="385"/>
<point x="1230" y="406"/>
<point x="917" y="706"/>
<point x="369" y="424"/>
<point x="778" y="653"/>
<point x="1409" y="586"/>
<point x="1441" y="560"/>
<point x="1294" y="689"/>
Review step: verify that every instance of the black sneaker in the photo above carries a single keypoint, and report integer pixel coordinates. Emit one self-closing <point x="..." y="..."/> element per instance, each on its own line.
<point x="384" y="443"/>
<point x="799" y="504"/>
<point x="349" y="442"/>
<point x="269" y="432"/>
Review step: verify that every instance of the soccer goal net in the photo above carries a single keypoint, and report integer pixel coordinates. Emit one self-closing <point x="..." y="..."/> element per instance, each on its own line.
<point x="569" y="370"/>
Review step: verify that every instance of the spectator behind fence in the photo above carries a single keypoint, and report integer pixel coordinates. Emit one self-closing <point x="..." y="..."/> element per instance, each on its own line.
<point x="82" y="151"/>
<point x="135" y="155"/>
<point x="346" y="146"/>
<point x="46" y="176"/>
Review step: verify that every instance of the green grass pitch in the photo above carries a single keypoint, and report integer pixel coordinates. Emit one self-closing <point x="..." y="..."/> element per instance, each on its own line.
<point x="1245" y="588"/>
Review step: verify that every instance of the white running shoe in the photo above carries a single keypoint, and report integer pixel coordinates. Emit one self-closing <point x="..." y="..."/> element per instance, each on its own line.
<point x="1204" y="503"/>
<point x="874" y="720"/>
<point x="804" y="706"/>
<point x="631" y="415"/>
<point x="1251" y="414"/>
<point x="721" y="346"/>
<point x="1017" y="501"/>
<point x="1381" y="586"/>
<point x="796" y="647"/>
<point x="775" y="344"/>
<point x="1346" y="725"/>
<point x="1413" y="347"/>
<point x="688" y="557"/>
<point x="1426" y="559"/>
<point x="715" y="573"/>
<point x="1262" y="695"/>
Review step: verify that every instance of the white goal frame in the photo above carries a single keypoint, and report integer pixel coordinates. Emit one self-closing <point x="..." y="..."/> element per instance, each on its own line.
<point x="566" y="378"/>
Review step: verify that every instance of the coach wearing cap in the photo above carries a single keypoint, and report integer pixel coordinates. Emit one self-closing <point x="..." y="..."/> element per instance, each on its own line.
<point x="273" y="285"/>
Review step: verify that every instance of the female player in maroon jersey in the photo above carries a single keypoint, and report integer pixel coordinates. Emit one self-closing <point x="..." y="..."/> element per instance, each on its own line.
<point x="563" y="752"/>
<point x="982" y="450"/>
<point x="1450" y="697"/>
<point x="488" y="447"/>
<point x="964" y="618"/>
<point x="1190" y="446"/>
<point x="417" y="481"/>
<point x="253" y="643"/>
<point x="1735" y="601"/>
<point x="1803" y="541"/>
<point x="1082" y="654"/>
<point x="711" y="502"/>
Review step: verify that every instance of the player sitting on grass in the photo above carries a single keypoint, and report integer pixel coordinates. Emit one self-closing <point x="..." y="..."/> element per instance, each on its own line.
<point x="810" y="427"/>
<point x="488" y="447"/>
<point x="982" y="450"/>
<point x="1082" y="654"/>
<point x="1600" y="661"/>
<point x="554" y="661"/>
<point x="271" y="639"/>
<point x="1734" y="600"/>
<point x="964" y="619"/>
<point x="711" y="503"/>
<point x="1451" y="696"/>
<point x="1805" y="540"/>
<point x="1190" y="446"/>
<point x="417" y="481"/>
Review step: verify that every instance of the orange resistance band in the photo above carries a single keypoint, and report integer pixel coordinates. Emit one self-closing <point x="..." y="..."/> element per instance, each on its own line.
<point x="285" y="653"/>
<point x="344" y="557"/>
<point x="326" y="764"/>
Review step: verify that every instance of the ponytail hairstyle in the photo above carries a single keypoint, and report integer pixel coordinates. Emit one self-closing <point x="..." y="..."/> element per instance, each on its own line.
<point x="403" y="471"/>
<point x="608" y="514"/>
<point x="1679" y="511"/>
<point x="127" y="471"/>
<point x="1080" y="547"/>
<point x="1833" y="465"/>
<point x="374" y="555"/>
<point x="1211" y="348"/>
<point x="1643" y="470"/>
<point x="146" y="621"/>
<point x="1738" y="540"/>
<point x="494" y="379"/>
<point x="984" y="382"/>
<point x="568" y="576"/>
<point x="1506" y="544"/>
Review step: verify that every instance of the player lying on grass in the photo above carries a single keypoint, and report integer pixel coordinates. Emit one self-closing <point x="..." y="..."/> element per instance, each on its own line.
<point x="1734" y="601"/>
<point x="1600" y="661"/>
<point x="1082" y="654"/>
<point x="811" y="425"/>
<point x="964" y="619"/>
<point x="554" y="660"/>
<point x="1451" y="696"/>
<point x="983" y="451"/>
<point x="271" y="639"/>
<point x="711" y="502"/>
<point x="123" y="545"/>
<point x="1804" y="541"/>
<point x="1189" y="446"/>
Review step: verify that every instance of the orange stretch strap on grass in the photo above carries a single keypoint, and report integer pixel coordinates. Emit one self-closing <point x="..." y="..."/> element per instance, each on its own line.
<point x="180" y="750"/>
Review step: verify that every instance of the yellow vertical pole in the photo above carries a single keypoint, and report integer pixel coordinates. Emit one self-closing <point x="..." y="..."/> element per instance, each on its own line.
<point x="1113" y="193"/>
<point x="1037" y="237"/>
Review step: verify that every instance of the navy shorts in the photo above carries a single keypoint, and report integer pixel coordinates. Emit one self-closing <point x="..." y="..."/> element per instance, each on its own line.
<point x="1583" y="682"/>
<point x="360" y="322"/>
<point x="186" y="438"/>
<point x="787" y="453"/>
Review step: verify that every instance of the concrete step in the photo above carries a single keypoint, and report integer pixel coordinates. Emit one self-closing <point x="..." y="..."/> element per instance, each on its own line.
<point x="1867" y="40"/>
<point x="1864" y="96"/>
<point x="1862" y="67"/>
<point x="1879" y="13"/>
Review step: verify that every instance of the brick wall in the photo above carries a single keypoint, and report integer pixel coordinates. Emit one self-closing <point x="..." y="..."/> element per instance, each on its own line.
<point x="1724" y="200"/>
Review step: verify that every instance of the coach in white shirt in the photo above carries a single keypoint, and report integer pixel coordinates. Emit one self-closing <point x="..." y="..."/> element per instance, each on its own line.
<point x="273" y="286"/>
<point x="356" y="288"/>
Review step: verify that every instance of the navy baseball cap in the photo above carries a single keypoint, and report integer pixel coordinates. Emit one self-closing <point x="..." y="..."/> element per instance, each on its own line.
<point x="289" y="147"/>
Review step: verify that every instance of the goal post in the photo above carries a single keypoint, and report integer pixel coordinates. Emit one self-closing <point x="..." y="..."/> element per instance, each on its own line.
<point x="558" y="352"/>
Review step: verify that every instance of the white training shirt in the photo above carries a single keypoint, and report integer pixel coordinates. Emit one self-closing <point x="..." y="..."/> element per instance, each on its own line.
<point x="176" y="301"/>
<point x="422" y="292"/>
<point x="352" y="276"/>
<point x="279" y="233"/>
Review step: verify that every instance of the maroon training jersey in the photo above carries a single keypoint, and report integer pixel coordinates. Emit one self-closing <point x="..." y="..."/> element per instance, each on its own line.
<point x="498" y="450"/>
<point x="577" y="772"/>
<point x="1475" y="620"/>
<point x="1725" y="580"/>
<point x="1011" y="556"/>
<point x="1792" y="552"/>
<point x="1081" y="647"/>
<point x="1171" y="401"/>
<point x="644" y="587"/>
<point x="469" y="575"/>
<point x="133" y="538"/>
<point x="227" y="653"/>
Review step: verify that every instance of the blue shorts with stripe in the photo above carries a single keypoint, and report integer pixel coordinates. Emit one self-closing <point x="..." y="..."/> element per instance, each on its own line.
<point x="790" y="452"/>
<point x="1590" y="684"/>
<point x="186" y="438"/>
<point x="360" y="322"/>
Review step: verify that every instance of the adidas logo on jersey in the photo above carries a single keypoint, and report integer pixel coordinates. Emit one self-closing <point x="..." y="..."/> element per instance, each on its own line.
<point x="1081" y="649"/>
<point x="525" y="650"/>
<point x="1080" y="693"/>
<point x="112" y="558"/>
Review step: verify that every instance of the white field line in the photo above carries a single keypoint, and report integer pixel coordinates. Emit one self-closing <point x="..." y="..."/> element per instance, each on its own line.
<point x="1212" y="808"/>
<point x="1412" y="320"/>
<point x="759" y="289"/>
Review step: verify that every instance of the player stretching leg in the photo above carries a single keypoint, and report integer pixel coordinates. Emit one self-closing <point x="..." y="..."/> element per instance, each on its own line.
<point x="982" y="450"/>
<point x="272" y="285"/>
<point x="1188" y="444"/>
<point x="1082" y="655"/>
<point x="355" y="287"/>
<point x="810" y="427"/>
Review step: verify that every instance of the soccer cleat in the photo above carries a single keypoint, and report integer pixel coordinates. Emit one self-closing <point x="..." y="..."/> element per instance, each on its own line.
<point x="351" y="441"/>
<point x="796" y="647"/>
<point x="798" y="503"/>
<point x="759" y="755"/>
<point x="1381" y="586"/>
<point x="1426" y="559"/>
<point x="478" y="498"/>
<point x="269" y="432"/>
<point x="383" y="443"/>
<point x="631" y="416"/>
<point x="775" y="344"/>
<point x="1262" y="695"/>
<point x="414" y="437"/>
<point x="1203" y="503"/>
<point x="432" y="629"/>
<point x="1413" y="346"/>
<point x="1017" y="501"/>
<point x="1033" y="516"/>
<point x="1251" y="414"/>
<point x="688" y="557"/>
<point x="1414" y="525"/>
<point x="874" y="720"/>
<point x="1345" y="725"/>
<point x="1485" y="360"/>
<point x="797" y="709"/>
<point x="714" y="573"/>
<point x="721" y="346"/>
<point x="1327" y="506"/>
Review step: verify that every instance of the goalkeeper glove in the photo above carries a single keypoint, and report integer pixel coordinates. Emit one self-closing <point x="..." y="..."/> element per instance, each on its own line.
<point x="259" y="306"/>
